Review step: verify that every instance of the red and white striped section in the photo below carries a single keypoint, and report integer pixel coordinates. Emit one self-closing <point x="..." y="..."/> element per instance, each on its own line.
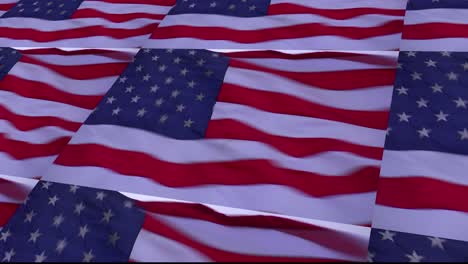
<point x="316" y="145"/>
<point x="13" y="191"/>
<point x="5" y="5"/>
<point x="182" y="231"/>
<point x="324" y="24"/>
<point x="435" y="29"/>
<point x="423" y="192"/>
<point x="44" y="99"/>
<point x="96" y="23"/>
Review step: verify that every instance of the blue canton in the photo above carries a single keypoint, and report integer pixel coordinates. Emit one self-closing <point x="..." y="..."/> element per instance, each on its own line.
<point x="429" y="4"/>
<point x="171" y="92"/>
<point x="8" y="58"/>
<point x="65" y="223"/>
<point x="391" y="246"/>
<point x="238" y="8"/>
<point x="45" y="9"/>
<point x="430" y="103"/>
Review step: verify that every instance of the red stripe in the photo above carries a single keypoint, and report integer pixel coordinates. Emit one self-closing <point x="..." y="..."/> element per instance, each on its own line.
<point x="156" y="226"/>
<point x="6" y="7"/>
<point x="81" y="72"/>
<point x="288" y="32"/>
<point x="422" y="193"/>
<point x="13" y="190"/>
<point x="289" y="8"/>
<point x="7" y="210"/>
<point x="25" y="123"/>
<point x="118" y="55"/>
<point x="297" y="147"/>
<point x="244" y="172"/>
<point x="88" y="12"/>
<point x="290" y="105"/>
<point x="435" y="30"/>
<point x="326" y="237"/>
<point x="39" y="90"/>
<point x="91" y="31"/>
<point x="334" y="80"/>
<point x="23" y="150"/>
<point x="145" y="2"/>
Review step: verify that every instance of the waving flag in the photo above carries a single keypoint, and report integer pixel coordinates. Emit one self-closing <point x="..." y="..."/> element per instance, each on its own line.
<point x="59" y="222"/>
<point x="423" y="184"/>
<point x="45" y="95"/>
<point x="436" y="25"/>
<point x="259" y="130"/>
<point x="79" y="23"/>
<point x="282" y="24"/>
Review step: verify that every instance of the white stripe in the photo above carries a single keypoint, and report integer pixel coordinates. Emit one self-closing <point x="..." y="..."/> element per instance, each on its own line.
<point x="448" y="44"/>
<point x="349" y="208"/>
<point x="82" y="59"/>
<point x="49" y="26"/>
<point x="431" y="164"/>
<point x="35" y="107"/>
<point x="27" y="168"/>
<point x="345" y="63"/>
<point x="435" y="15"/>
<point x="298" y="126"/>
<point x="150" y="247"/>
<point x="118" y="8"/>
<point x="98" y="86"/>
<point x="37" y="136"/>
<point x="86" y="42"/>
<point x="341" y="4"/>
<point x="365" y="99"/>
<point x="8" y="1"/>
<point x="429" y="222"/>
<point x="215" y="150"/>
<point x="271" y="22"/>
<point x="387" y="42"/>
<point x="261" y="241"/>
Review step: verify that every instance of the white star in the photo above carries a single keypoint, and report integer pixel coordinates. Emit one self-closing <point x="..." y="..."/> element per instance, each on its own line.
<point x="73" y="188"/>
<point x="460" y="102"/>
<point x="61" y="244"/>
<point x="209" y="73"/>
<point x="169" y="80"/>
<point x="213" y="4"/>
<point x="404" y="117"/>
<point x="162" y="68"/>
<point x="430" y="63"/>
<point x="200" y="97"/>
<point x="387" y="235"/>
<point x="177" y="60"/>
<point x="163" y="118"/>
<point x="188" y="123"/>
<point x="252" y="8"/>
<point x="411" y="54"/>
<point x="155" y="58"/>
<point x="88" y="256"/>
<point x="129" y="89"/>
<point x="402" y="90"/>
<point x="159" y="102"/>
<point x="110" y="100"/>
<point x="414" y="257"/>
<point x="107" y="216"/>
<point x="446" y="53"/>
<point x="416" y="76"/>
<point x="135" y="99"/>
<point x="53" y="200"/>
<point x="26" y="200"/>
<point x="422" y="102"/>
<point x="424" y="132"/>
<point x="29" y="216"/>
<point x="184" y="71"/>
<point x="41" y="257"/>
<point x="463" y="135"/>
<point x="78" y="208"/>
<point x="436" y="88"/>
<point x="100" y="195"/>
<point x="123" y="79"/>
<point x="441" y="116"/>
<point x="192" y="5"/>
<point x="370" y="256"/>
<point x="146" y="77"/>
<point x="34" y="236"/>
<point x="437" y="242"/>
<point x="83" y="230"/>
<point x="201" y="62"/>
<point x="232" y="7"/>
<point x="169" y="50"/>
<point x="175" y="93"/>
<point x="180" y="108"/>
<point x="116" y="111"/>
<point x="465" y="66"/>
<point x="399" y="65"/>
<point x="58" y="220"/>
<point x="191" y="84"/>
<point x="146" y="50"/>
<point x="128" y="204"/>
<point x="46" y="185"/>
<point x="4" y="235"/>
<point x="192" y="52"/>
<point x="139" y="68"/>
<point x="113" y="238"/>
<point x="452" y="76"/>
<point x="8" y="255"/>
<point x="387" y="131"/>
<point x="154" y="88"/>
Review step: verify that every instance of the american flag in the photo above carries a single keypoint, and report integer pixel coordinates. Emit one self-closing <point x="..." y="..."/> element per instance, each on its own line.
<point x="58" y="222"/>
<point x="423" y="184"/>
<point x="282" y="24"/>
<point x="436" y="25"/>
<point x="79" y="23"/>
